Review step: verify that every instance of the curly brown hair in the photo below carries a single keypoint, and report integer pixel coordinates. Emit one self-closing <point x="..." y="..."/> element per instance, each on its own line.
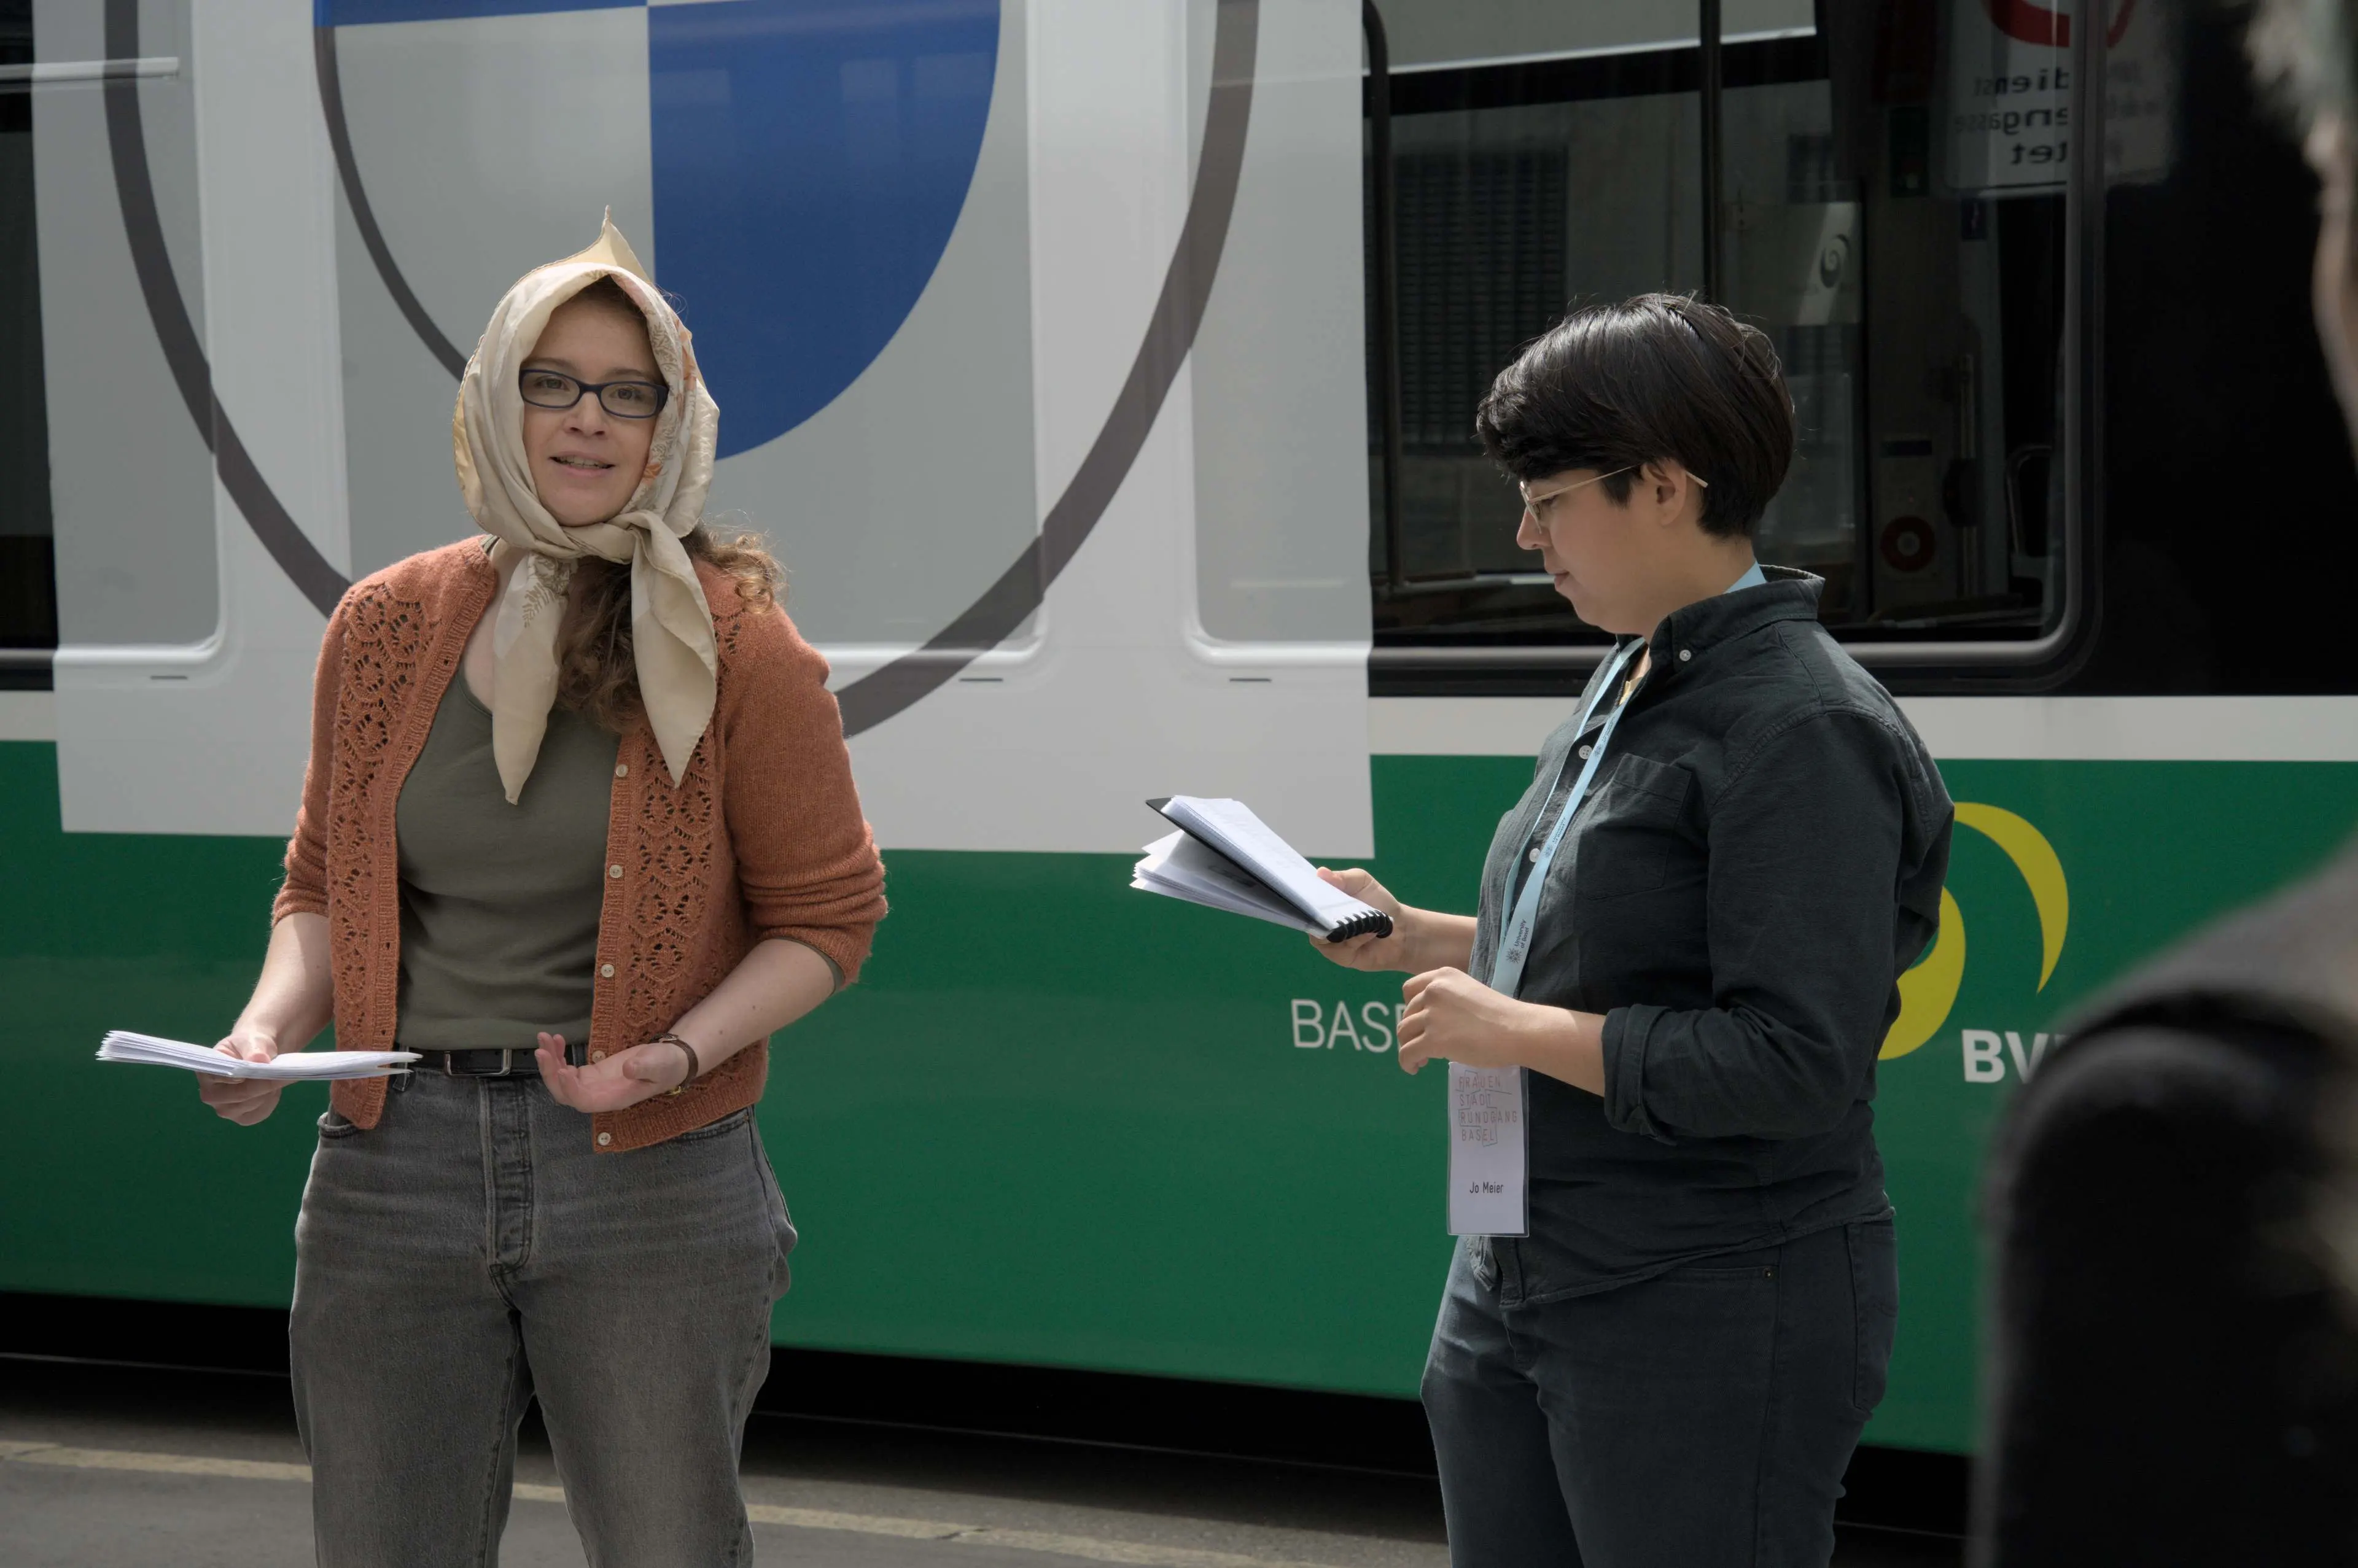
<point x="597" y="676"/>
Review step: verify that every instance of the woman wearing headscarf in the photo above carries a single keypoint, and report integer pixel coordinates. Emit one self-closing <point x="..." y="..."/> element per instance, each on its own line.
<point x="580" y="827"/>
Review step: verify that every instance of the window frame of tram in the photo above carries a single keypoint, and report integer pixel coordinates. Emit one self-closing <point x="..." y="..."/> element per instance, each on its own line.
<point x="1936" y="420"/>
<point x="28" y="608"/>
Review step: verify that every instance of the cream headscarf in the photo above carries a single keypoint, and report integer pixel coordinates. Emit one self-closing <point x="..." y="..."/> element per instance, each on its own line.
<point x="671" y="624"/>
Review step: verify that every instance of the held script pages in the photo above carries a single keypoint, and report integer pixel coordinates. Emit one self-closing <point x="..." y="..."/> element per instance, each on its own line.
<point x="1224" y="857"/>
<point x="147" y="1050"/>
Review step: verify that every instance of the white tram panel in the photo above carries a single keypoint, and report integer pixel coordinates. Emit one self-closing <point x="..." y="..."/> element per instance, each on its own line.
<point x="1175" y="652"/>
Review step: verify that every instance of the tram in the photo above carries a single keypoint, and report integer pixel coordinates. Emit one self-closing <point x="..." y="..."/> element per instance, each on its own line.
<point x="1104" y="376"/>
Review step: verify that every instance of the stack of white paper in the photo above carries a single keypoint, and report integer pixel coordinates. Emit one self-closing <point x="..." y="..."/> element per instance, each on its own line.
<point x="122" y="1046"/>
<point x="1226" y="857"/>
<point x="1178" y="867"/>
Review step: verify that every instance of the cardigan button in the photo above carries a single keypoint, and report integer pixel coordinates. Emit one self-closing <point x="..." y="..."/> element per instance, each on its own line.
<point x="614" y="871"/>
<point x="597" y="1056"/>
<point x="606" y="970"/>
<point x="622" y="770"/>
<point x="604" y="1139"/>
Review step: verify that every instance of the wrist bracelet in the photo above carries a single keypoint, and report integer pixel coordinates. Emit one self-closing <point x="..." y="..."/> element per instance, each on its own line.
<point x="695" y="1066"/>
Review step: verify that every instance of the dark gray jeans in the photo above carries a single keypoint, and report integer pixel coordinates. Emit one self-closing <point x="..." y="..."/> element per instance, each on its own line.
<point x="1701" y="1419"/>
<point x="472" y="1253"/>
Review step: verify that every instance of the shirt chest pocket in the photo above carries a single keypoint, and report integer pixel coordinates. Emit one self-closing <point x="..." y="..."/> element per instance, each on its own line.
<point x="1635" y="839"/>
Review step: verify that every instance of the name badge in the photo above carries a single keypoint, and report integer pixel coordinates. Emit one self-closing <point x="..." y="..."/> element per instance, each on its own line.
<point x="1489" y="1153"/>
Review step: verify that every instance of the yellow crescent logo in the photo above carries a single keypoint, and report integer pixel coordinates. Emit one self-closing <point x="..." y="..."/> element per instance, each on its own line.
<point x="1929" y="991"/>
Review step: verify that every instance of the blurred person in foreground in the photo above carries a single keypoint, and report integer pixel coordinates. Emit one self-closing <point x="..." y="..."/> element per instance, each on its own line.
<point x="2174" y="1364"/>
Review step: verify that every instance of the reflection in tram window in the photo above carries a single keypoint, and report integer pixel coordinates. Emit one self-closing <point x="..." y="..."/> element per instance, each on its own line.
<point x="1899" y="239"/>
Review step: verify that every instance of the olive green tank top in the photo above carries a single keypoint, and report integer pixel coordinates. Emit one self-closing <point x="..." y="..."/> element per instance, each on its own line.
<point x="499" y="902"/>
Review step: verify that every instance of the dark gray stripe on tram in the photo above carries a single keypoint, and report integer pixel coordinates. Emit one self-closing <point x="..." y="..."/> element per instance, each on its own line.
<point x="126" y="142"/>
<point x="1170" y="334"/>
<point x="339" y="137"/>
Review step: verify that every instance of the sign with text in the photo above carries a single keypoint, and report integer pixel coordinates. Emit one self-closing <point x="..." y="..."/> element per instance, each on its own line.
<point x="2009" y="108"/>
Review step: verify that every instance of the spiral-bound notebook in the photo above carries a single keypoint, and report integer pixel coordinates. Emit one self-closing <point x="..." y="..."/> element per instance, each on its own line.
<point x="1224" y="857"/>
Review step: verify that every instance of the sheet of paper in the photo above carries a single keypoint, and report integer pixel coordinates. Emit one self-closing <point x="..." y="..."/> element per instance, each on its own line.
<point x="1488" y="1152"/>
<point x="1179" y="867"/>
<point x="1231" y="826"/>
<point x="148" y="1049"/>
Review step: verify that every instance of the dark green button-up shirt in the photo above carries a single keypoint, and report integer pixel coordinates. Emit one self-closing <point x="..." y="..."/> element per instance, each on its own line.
<point x="1760" y="857"/>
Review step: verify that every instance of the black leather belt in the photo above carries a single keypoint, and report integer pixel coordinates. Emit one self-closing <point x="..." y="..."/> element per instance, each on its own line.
<point x="518" y="1062"/>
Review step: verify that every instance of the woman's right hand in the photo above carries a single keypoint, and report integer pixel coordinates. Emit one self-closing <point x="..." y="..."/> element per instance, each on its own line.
<point x="1372" y="953"/>
<point x="242" y="1101"/>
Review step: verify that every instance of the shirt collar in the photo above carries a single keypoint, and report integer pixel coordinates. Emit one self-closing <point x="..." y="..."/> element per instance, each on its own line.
<point x="1692" y="630"/>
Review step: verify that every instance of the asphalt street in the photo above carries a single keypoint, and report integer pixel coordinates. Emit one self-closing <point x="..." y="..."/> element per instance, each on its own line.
<point x="109" y="1467"/>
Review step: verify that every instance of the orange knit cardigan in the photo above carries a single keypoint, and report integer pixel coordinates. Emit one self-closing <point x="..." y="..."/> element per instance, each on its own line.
<point x="762" y="837"/>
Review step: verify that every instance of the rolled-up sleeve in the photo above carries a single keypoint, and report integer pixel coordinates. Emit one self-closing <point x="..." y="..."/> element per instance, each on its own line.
<point x="807" y="863"/>
<point x="1806" y="841"/>
<point x="305" y="890"/>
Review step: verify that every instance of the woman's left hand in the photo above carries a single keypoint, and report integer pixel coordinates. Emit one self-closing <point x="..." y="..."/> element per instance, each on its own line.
<point x="1453" y="1016"/>
<point x="624" y="1078"/>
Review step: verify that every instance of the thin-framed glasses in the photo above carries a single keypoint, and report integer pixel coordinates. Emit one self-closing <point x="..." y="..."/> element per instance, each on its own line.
<point x="1531" y="502"/>
<point x="622" y="399"/>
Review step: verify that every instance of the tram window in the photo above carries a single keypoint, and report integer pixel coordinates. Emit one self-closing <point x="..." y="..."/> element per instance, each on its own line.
<point x="28" y="612"/>
<point x="1900" y="241"/>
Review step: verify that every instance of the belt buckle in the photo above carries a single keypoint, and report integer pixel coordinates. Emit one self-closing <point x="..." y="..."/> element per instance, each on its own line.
<point x="507" y="1063"/>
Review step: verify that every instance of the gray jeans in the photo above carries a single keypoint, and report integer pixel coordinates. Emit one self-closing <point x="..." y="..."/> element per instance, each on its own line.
<point x="1699" y="1419"/>
<point x="469" y="1254"/>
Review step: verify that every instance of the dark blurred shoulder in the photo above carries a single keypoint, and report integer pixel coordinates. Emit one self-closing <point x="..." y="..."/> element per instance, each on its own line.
<point x="2173" y="1370"/>
<point x="2203" y="1078"/>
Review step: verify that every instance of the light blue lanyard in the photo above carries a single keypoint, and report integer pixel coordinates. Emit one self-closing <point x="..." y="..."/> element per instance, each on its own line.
<point x="1515" y="932"/>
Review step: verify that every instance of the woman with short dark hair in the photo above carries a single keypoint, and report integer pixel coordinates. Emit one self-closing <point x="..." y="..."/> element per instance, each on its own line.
<point x="1669" y="1319"/>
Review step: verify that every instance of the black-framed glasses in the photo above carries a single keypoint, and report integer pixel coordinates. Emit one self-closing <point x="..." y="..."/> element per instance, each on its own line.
<point x="622" y="399"/>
